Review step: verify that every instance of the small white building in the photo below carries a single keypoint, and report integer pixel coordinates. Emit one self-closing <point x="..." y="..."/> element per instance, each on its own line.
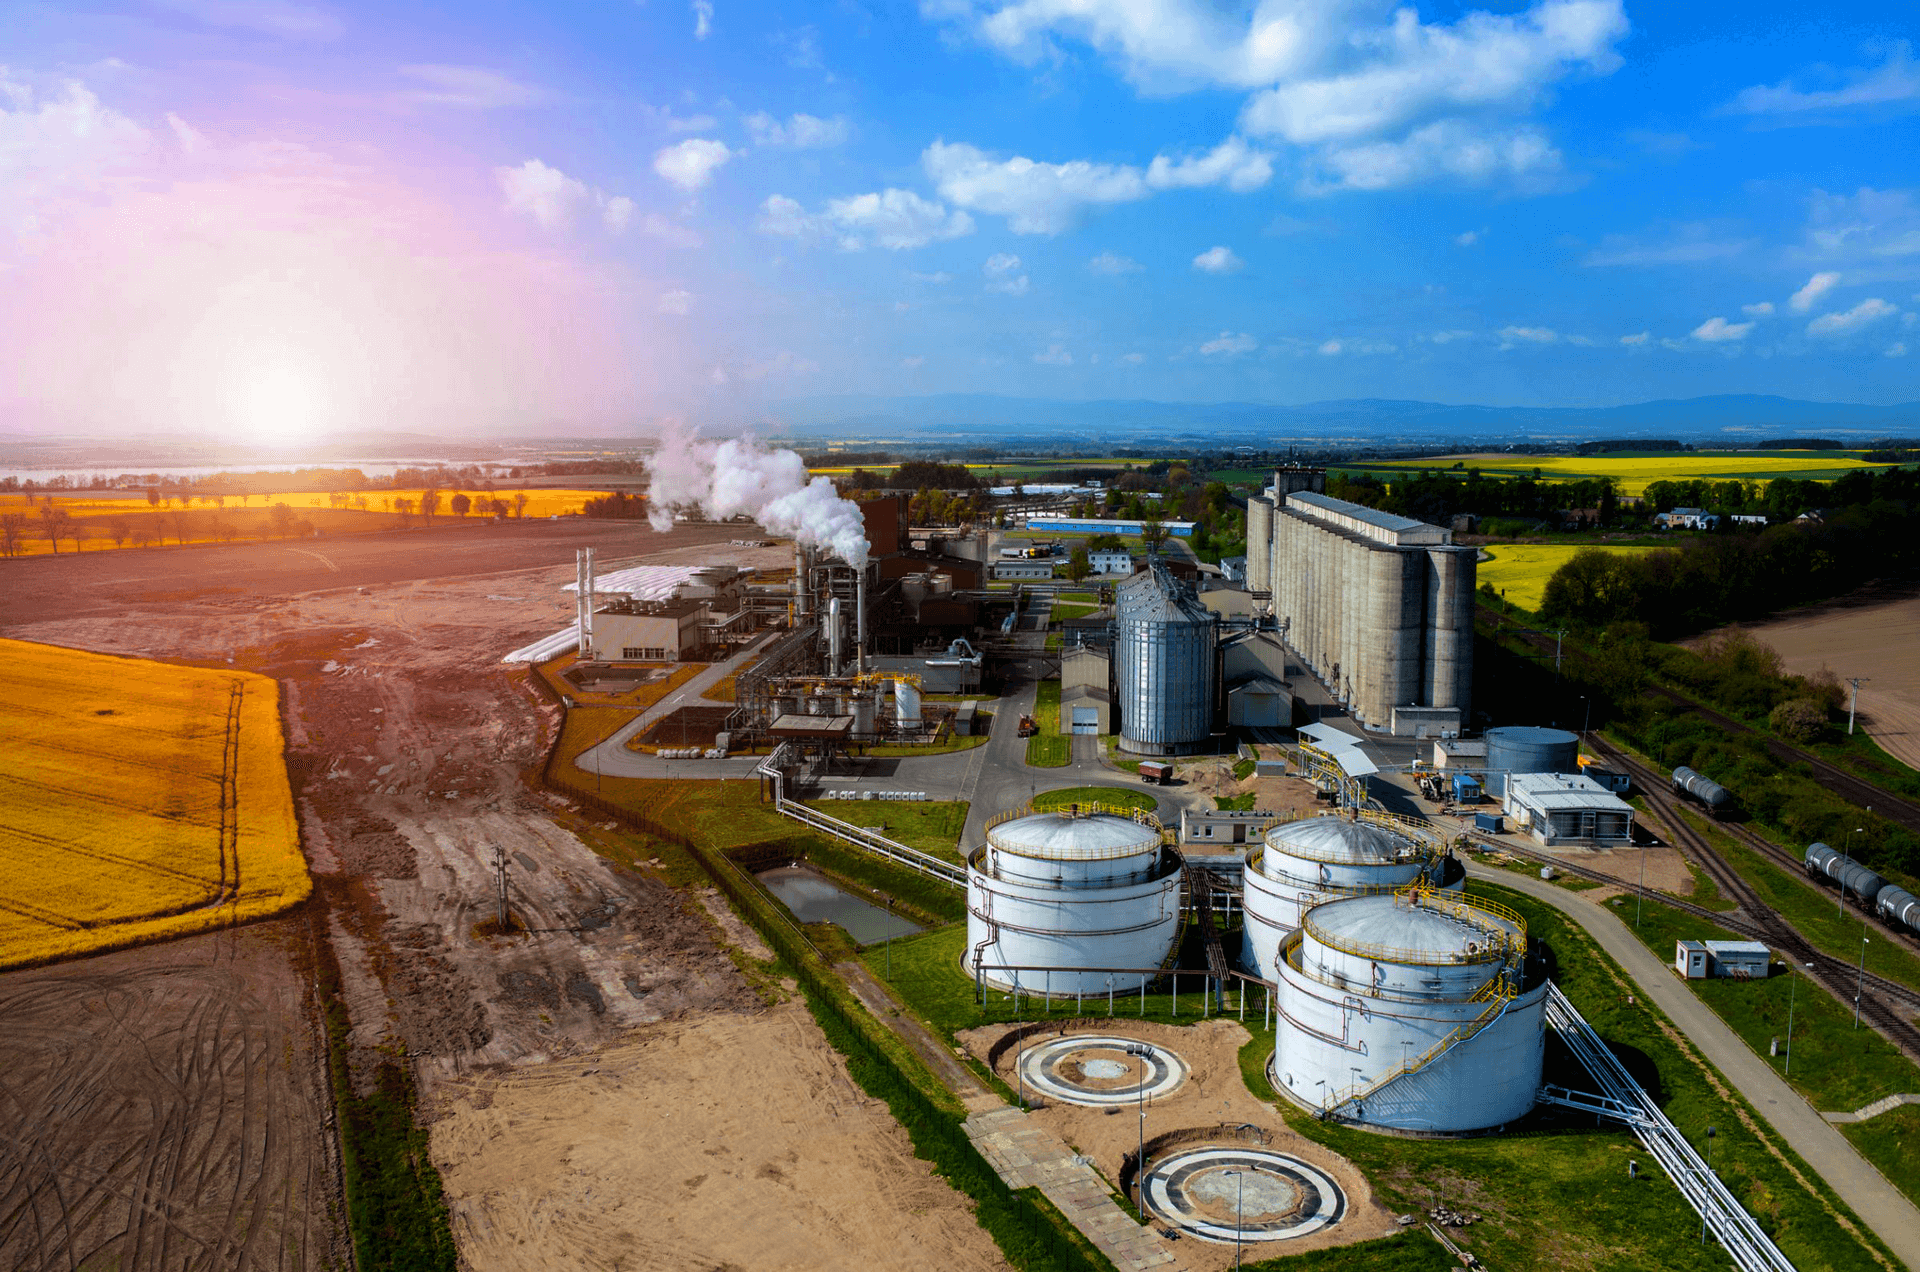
<point x="1023" y="569"/>
<point x="1741" y="960"/>
<point x="1235" y="569"/>
<point x="1460" y="753"/>
<point x="1565" y="808"/>
<point x="1110" y="561"/>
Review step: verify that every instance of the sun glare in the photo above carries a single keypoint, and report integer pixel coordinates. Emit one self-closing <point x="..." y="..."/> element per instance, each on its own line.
<point x="279" y="404"/>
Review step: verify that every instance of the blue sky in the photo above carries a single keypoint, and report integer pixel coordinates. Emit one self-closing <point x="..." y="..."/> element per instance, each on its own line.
<point x="516" y="217"/>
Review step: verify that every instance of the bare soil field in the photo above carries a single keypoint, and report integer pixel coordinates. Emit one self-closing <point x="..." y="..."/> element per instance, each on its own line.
<point x="165" y="1107"/>
<point x="715" y="1142"/>
<point x="1874" y="634"/>
<point x="409" y="747"/>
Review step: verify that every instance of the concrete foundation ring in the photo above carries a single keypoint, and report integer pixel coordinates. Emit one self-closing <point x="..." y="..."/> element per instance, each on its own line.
<point x="1224" y="1193"/>
<point x="1099" y="1070"/>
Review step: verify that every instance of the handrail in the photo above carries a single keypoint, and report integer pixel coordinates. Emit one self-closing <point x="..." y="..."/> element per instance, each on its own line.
<point x="1501" y="944"/>
<point x="1496" y="1008"/>
<point x="1085" y="808"/>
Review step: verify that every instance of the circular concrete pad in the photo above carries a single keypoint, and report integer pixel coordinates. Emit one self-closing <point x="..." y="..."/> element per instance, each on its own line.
<point x="1224" y="1193"/>
<point x="1099" y="1070"/>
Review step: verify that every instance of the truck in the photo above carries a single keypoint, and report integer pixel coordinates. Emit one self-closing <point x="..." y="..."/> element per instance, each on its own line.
<point x="1155" y="772"/>
<point x="1027" y="727"/>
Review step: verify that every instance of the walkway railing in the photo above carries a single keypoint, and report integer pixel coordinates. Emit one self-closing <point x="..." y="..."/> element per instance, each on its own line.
<point x="859" y="836"/>
<point x="1502" y="998"/>
<point x="1622" y="1098"/>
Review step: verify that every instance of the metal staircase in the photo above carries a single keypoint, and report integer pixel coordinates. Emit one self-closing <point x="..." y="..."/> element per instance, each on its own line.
<point x="1497" y="993"/>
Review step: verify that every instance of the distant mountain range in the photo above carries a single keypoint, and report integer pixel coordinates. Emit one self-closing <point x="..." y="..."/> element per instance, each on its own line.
<point x="1748" y="416"/>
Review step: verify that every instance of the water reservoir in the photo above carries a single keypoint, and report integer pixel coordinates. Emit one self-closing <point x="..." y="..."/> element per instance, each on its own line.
<point x="814" y="898"/>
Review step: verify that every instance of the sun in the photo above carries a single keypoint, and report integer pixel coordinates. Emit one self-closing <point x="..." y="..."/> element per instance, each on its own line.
<point x="279" y="403"/>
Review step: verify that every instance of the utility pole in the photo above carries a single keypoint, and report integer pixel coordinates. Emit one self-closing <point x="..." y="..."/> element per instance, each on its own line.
<point x="1854" y="706"/>
<point x="1859" y="981"/>
<point x="1558" y="636"/>
<point x="500" y="866"/>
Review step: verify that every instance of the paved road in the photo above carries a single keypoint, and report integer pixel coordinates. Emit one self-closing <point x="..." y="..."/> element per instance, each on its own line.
<point x="1880" y="1206"/>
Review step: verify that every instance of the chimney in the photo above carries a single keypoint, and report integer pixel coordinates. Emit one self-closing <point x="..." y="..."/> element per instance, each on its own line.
<point x="860" y="621"/>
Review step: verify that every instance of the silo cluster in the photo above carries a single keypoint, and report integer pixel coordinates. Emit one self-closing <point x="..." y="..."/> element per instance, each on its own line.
<point x="1052" y="892"/>
<point x="1378" y="606"/>
<point x="1413" y="1010"/>
<point x="1165" y="664"/>
<point x="1301" y="864"/>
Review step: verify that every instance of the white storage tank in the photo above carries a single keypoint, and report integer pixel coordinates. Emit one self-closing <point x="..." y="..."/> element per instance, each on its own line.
<point x="1414" y="1010"/>
<point x="1301" y="864"/>
<point x="1059" y="893"/>
<point x="906" y="704"/>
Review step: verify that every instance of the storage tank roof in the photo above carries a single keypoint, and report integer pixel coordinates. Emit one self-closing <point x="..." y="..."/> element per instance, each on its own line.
<point x="1413" y="927"/>
<point x="1061" y="836"/>
<point x="1338" y="839"/>
<point x="1155" y="596"/>
<point x="1529" y="735"/>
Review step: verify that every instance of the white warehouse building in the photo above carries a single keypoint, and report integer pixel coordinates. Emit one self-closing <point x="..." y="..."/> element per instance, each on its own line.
<point x="1413" y="1010"/>
<point x="1051" y="896"/>
<point x="1298" y="865"/>
<point x="1562" y="808"/>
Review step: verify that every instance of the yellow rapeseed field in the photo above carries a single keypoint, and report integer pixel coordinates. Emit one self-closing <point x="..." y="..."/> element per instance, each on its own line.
<point x="1522" y="570"/>
<point x="1636" y="474"/>
<point x="139" y="801"/>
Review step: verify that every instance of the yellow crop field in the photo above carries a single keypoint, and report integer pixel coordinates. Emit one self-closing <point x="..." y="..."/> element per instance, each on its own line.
<point x="1636" y="474"/>
<point x="1522" y="570"/>
<point x="139" y="801"/>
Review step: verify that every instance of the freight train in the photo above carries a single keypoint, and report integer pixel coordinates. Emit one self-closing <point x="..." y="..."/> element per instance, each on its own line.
<point x="1894" y="904"/>
<point x="1716" y="799"/>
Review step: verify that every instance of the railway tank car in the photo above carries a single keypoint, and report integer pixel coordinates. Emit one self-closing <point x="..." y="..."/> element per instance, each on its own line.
<point x="1893" y="903"/>
<point x="1897" y="905"/>
<point x="1709" y="794"/>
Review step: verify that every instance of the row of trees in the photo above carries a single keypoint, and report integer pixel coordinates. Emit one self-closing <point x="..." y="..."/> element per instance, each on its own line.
<point x="55" y="524"/>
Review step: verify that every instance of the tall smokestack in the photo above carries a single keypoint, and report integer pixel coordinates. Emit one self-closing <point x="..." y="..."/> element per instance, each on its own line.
<point x="860" y="621"/>
<point x="836" y="643"/>
<point x="580" y="603"/>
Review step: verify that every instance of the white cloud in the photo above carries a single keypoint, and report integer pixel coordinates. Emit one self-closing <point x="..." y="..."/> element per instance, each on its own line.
<point x="1894" y="82"/>
<point x="1046" y="198"/>
<point x="1217" y="260"/>
<point x="1447" y="148"/>
<point x="1898" y="349"/>
<point x="702" y="19"/>
<point x="279" y="18"/>
<point x="677" y="301"/>
<point x="1001" y="263"/>
<point x="1054" y="356"/>
<point x="800" y="132"/>
<point x="616" y="213"/>
<point x="1134" y="358"/>
<point x="913" y="363"/>
<point x="893" y="219"/>
<point x="656" y="226"/>
<point x="690" y="164"/>
<point x="55" y="151"/>
<point x="1002" y="271"/>
<point x="1637" y="338"/>
<point x="1817" y="286"/>
<point x="1110" y="263"/>
<point x="1448" y="337"/>
<point x="1868" y="311"/>
<point x="938" y="278"/>
<point x="1760" y="309"/>
<point x="192" y="140"/>
<point x="1692" y="243"/>
<point x="1328" y="348"/>
<point x="1230" y="344"/>
<point x="1869" y="225"/>
<point x="1717" y="330"/>
<point x="467" y="87"/>
<point x="1511" y="336"/>
<point x="1467" y="238"/>
<point x="548" y="195"/>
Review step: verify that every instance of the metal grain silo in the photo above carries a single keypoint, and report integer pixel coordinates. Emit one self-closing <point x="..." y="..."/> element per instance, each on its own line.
<point x="1064" y="894"/>
<point x="1304" y="863"/>
<point x="1412" y="1010"/>
<point x="1164" y="664"/>
<point x="1522" y="748"/>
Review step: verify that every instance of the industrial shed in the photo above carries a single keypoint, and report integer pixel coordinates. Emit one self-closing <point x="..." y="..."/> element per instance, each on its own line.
<point x="1740" y="960"/>
<point x="1563" y="808"/>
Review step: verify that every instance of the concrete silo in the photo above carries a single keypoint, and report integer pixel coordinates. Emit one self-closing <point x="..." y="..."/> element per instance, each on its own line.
<point x="1304" y="863"/>
<point x="1413" y="1010"/>
<point x="1260" y="543"/>
<point x="1525" y="748"/>
<point x="1055" y="892"/>
<point x="1164" y="664"/>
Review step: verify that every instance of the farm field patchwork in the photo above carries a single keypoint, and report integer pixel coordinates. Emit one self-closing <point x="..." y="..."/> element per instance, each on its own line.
<point x="1521" y="570"/>
<point x="141" y="801"/>
<point x="1636" y="473"/>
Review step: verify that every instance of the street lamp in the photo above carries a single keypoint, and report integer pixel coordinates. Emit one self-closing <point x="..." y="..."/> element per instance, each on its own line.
<point x="1703" y="1208"/>
<point x="1239" y="1211"/>
<point x="1860" y="979"/>
<point x="1793" y="988"/>
<point x="889" y="901"/>
<point x="1146" y="1053"/>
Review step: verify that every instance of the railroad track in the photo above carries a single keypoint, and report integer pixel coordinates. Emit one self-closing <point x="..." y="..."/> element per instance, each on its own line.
<point x="1761" y="921"/>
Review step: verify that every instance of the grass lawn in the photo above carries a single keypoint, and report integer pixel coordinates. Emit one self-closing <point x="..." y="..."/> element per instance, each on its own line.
<point x="1556" y="1193"/>
<point x="1111" y="796"/>
<point x="1048" y="747"/>
<point x="950" y="743"/>
<point x="932" y="828"/>
<point x="1891" y="1142"/>
<point x="1061" y="613"/>
<point x="723" y="689"/>
<point x="1234" y="803"/>
<point x="1112" y="744"/>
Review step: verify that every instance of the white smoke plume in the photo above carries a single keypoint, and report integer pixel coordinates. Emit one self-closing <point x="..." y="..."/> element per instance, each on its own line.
<point x="726" y="479"/>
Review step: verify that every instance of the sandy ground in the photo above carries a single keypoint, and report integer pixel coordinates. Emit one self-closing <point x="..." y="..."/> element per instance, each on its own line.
<point x="1880" y="640"/>
<point x="1213" y="1095"/>
<point x="723" y="1142"/>
<point x="408" y="745"/>
<point x="162" y="1108"/>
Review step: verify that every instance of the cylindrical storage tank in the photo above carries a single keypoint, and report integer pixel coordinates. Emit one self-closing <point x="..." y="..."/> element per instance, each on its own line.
<point x="1897" y="905"/>
<point x="836" y="640"/>
<point x="1164" y="665"/>
<point x="1260" y="544"/>
<point x="1301" y="864"/>
<point x="1410" y="1011"/>
<point x="1066" y="897"/>
<point x="1704" y="789"/>
<point x="1522" y="748"/>
<point x="863" y="715"/>
<point x="906" y="704"/>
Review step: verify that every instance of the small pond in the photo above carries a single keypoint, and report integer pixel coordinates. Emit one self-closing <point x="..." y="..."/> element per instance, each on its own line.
<point x="814" y="898"/>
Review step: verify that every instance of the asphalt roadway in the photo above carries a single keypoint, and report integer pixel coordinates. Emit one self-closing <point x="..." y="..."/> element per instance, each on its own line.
<point x="1879" y="1205"/>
